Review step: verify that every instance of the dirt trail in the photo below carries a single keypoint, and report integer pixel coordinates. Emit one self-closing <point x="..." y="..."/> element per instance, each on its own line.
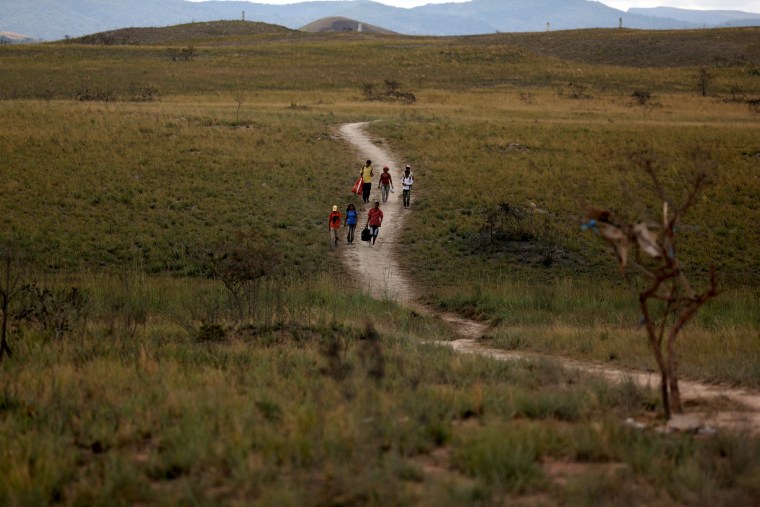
<point x="376" y="265"/>
<point x="707" y="405"/>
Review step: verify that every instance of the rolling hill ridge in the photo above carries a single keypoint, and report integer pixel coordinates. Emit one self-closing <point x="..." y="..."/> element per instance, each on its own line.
<point x="57" y="19"/>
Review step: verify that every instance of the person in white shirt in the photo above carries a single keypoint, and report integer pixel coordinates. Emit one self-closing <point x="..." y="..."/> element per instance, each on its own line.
<point x="406" y="185"/>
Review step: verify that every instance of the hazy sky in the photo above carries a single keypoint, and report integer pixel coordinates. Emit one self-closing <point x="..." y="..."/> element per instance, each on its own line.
<point x="738" y="5"/>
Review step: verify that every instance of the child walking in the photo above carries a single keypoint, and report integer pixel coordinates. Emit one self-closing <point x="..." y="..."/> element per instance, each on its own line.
<point x="386" y="183"/>
<point x="352" y="217"/>
<point x="375" y="220"/>
<point x="406" y="185"/>
<point x="333" y="224"/>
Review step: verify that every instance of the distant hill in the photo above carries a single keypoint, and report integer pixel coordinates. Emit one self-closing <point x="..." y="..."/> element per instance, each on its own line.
<point x="56" y="19"/>
<point x="191" y="32"/>
<point x="14" y="38"/>
<point x="701" y="18"/>
<point x="641" y="48"/>
<point x="603" y="46"/>
<point x="338" y="24"/>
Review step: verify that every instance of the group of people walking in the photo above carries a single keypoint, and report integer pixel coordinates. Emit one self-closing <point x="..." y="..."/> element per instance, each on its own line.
<point x="375" y="214"/>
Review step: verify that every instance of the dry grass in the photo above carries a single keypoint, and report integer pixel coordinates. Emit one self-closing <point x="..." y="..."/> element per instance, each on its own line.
<point x="298" y="402"/>
<point x="640" y="48"/>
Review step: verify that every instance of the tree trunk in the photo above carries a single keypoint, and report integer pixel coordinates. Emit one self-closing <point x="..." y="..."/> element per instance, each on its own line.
<point x="664" y="375"/>
<point x="675" y="394"/>
<point x="664" y="394"/>
<point x="655" y="345"/>
<point x="4" y="348"/>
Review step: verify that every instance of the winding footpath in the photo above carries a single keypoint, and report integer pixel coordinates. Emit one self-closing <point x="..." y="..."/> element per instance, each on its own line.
<point x="711" y="406"/>
<point x="376" y="265"/>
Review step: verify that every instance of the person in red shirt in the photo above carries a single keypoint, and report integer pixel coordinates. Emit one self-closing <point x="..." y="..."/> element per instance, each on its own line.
<point x="333" y="224"/>
<point x="386" y="183"/>
<point x="375" y="220"/>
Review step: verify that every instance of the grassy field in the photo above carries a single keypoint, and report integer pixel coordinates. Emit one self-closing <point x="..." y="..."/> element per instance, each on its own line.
<point x="139" y="179"/>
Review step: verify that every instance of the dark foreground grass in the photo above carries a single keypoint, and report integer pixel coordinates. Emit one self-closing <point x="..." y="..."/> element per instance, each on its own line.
<point x="332" y="413"/>
<point x="321" y="396"/>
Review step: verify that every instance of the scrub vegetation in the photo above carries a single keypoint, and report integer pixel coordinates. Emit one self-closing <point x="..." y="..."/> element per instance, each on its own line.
<point x="181" y="334"/>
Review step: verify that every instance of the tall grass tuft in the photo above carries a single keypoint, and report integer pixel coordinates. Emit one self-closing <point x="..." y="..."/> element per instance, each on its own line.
<point x="507" y="456"/>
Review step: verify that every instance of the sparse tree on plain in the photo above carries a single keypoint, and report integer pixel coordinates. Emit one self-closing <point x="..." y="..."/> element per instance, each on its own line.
<point x="704" y="81"/>
<point x="239" y="101"/>
<point x="11" y="284"/>
<point x="647" y="256"/>
<point x="240" y="266"/>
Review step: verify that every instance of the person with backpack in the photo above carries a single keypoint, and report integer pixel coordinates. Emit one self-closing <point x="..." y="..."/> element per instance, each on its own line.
<point x="333" y="224"/>
<point x="352" y="217"/>
<point x="386" y="183"/>
<point x="366" y="173"/>
<point x="375" y="220"/>
<point x="406" y="185"/>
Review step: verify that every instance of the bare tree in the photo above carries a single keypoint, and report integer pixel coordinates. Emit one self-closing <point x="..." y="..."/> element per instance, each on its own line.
<point x="240" y="265"/>
<point x="648" y="260"/>
<point x="705" y="78"/>
<point x="11" y="283"/>
<point x="239" y="99"/>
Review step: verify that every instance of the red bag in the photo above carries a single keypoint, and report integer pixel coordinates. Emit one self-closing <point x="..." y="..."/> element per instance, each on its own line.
<point x="357" y="188"/>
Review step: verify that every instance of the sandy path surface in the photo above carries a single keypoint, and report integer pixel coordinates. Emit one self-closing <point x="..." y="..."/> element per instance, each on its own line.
<point x="714" y="406"/>
<point x="376" y="265"/>
<point x="707" y="405"/>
